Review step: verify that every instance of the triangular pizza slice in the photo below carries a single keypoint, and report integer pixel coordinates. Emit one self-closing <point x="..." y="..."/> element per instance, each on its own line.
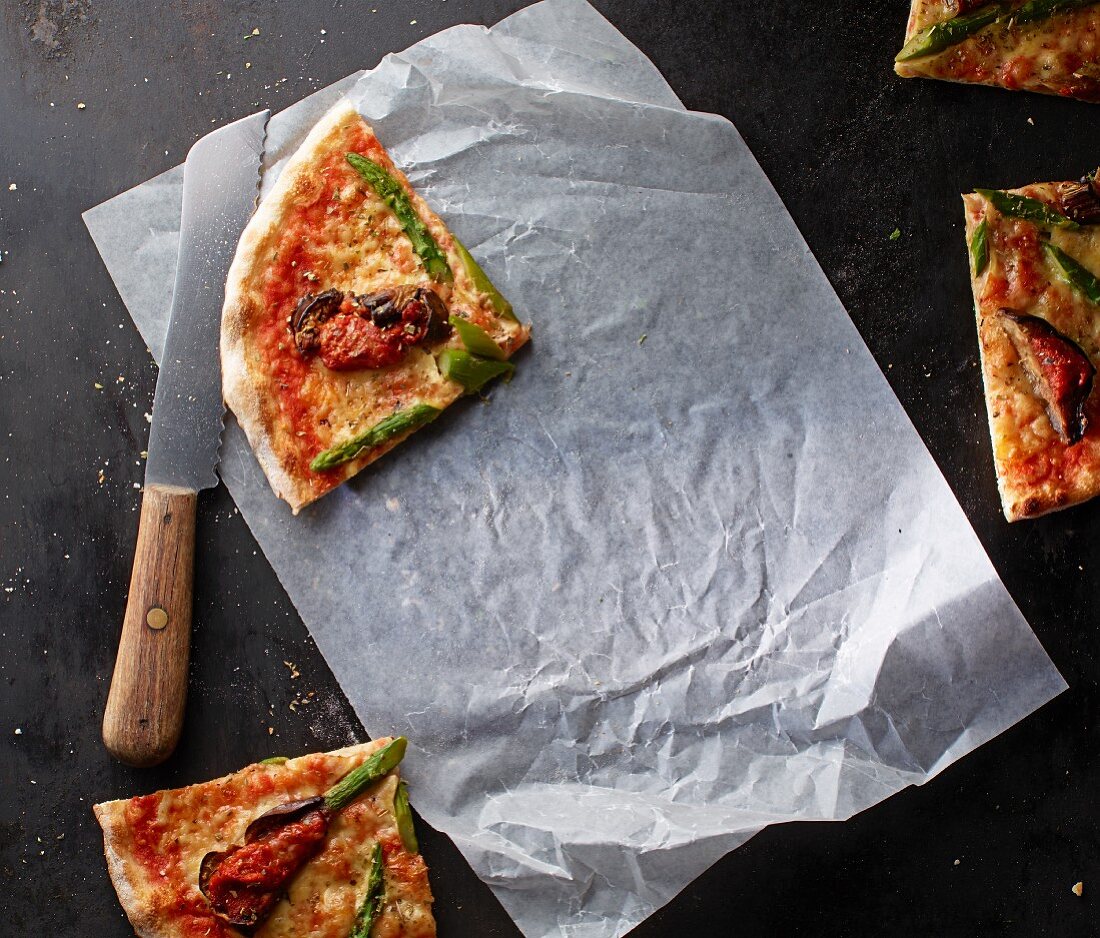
<point x="1030" y="45"/>
<point x="1035" y="272"/>
<point x="352" y="315"/>
<point x="320" y="846"/>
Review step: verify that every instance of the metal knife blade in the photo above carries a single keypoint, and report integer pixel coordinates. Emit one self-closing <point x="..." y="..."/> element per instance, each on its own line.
<point x="221" y="179"/>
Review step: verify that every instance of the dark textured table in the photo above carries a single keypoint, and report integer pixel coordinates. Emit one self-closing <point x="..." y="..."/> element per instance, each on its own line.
<point x="98" y="96"/>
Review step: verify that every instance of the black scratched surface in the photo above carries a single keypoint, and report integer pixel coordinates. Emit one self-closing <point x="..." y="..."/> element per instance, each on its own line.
<point x="991" y="847"/>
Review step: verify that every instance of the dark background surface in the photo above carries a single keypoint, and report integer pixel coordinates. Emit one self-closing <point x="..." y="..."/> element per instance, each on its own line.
<point x="991" y="847"/>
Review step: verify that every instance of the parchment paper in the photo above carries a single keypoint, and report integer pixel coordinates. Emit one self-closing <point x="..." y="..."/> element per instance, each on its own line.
<point x="692" y="572"/>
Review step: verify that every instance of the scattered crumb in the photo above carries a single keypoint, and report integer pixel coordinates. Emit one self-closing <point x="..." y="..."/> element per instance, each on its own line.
<point x="1077" y="888"/>
<point x="271" y="731"/>
<point x="81" y="106"/>
<point x="1031" y="120"/>
<point x="18" y="731"/>
<point x="102" y="477"/>
<point x="412" y="22"/>
<point x="98" y="386"/>
<point x="956" y="863"/>
<point x="248" y="65"/>
<point x="642" y="338"/>
<point x="895" y="234"/>
<point x="12" y="187"/>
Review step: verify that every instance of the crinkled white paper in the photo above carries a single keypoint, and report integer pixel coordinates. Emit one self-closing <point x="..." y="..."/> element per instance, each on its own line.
<point x="658" y="594"/>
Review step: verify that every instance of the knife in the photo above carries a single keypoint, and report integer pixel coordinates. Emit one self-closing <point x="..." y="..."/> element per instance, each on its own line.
<point x="144" y="713"/>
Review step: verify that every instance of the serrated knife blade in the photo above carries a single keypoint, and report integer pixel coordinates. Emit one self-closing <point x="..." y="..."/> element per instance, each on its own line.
<point x="144" y="712"/>
<point x="221" y="179"/>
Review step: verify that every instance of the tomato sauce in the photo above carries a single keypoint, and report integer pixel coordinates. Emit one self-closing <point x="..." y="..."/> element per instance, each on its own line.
<point x="296" y="254"/>
<point x="148" y="834"/>
<point x="252" y="878"/>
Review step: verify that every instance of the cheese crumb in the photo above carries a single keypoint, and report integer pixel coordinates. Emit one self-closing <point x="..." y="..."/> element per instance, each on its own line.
<point x="1078" y="889"/>
<point x="81" y="106"/>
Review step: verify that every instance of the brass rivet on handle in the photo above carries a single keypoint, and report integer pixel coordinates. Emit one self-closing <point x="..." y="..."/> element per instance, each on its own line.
<point x="156" y="618"/>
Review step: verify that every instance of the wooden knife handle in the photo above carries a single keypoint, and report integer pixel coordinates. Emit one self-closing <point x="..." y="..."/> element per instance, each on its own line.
<point x="144" y="714"/>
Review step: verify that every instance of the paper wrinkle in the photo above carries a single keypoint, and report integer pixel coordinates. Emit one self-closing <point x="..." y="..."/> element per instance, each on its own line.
<point x="659" y="593"/>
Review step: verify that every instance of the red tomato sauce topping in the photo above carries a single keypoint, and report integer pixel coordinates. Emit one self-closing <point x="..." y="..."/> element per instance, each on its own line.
<point x="297" y="252"/>
<point x="251" y="879"/>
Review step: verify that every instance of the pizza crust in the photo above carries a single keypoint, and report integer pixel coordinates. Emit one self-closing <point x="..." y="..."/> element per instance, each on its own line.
<point x="1037" y="472"/>
<point x="336" y="404"/>
<point x="158" y="889"/>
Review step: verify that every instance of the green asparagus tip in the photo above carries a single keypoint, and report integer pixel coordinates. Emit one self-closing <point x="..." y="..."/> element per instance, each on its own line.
<point x="352" y="785"/>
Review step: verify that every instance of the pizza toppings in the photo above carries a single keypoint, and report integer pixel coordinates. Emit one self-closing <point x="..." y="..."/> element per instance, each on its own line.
<point x="244" y="883"/>
<point x="308" y="316"/>
<point x="1074" y="272"/>
<point x="1057" y="368"/>
<point x="403" y="815"/>
<point x="482" y="282"/>
<point x="969" y="17"/>
<point x="390" y="191"/>
<point x="368" y="909"/>
<point x="947" y="33"/>
<point x="979" y="247"/>
<point x="471" y="371"/>
<point x="370" y="331"/>
<point x="1080" y="200"/>
<point x="477" y="340"/>
<point x="402" y="422"/>
<point x="1021" y="206"/>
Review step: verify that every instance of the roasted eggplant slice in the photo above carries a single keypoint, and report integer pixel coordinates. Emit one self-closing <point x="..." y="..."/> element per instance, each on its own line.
<point x="1057" y="368"/>
<point x="309" y="314"/>
<point x="369" y="331"/>
<point x="1080" y="201"/>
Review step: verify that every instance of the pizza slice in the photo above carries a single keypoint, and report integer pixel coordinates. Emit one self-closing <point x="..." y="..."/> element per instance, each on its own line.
<point x="352" y="315"/>
<point x="1034" y="45"/>
<point x="1035" y="272"/>
<point x="316" y="847"/>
